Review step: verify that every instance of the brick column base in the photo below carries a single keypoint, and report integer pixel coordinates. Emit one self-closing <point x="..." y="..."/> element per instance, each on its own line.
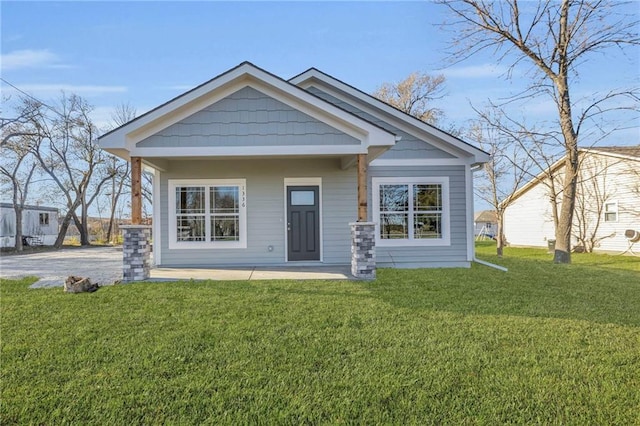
<point x="363" y="250"/>
<point x="136" y="250"/>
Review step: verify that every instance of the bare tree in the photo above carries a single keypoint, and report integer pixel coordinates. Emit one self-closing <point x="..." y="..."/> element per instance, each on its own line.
<point x="120" y="170"/>
<point x="555" y="38"/>
<point x="14" y="127"/>
<point x="17" y="171"/>
<point x="66" y="149"/>
<point x="503" y="174"/>
<point x="414" y="95"/>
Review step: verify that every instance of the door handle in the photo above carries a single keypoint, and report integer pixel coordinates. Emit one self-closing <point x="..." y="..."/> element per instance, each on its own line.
<point x="289" y="226"/>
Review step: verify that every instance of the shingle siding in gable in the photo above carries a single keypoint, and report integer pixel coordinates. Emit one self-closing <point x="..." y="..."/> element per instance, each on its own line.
<point x="409" y="147"/>
<point x="248" y="117"/>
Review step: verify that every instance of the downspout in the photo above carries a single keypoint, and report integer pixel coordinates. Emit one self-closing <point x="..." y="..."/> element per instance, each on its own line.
<point x="490" y="265"/>
<point x="474" y="168"/>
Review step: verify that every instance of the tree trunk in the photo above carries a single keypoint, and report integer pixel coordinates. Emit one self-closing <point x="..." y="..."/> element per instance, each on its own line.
<point x="85" y="227"/>
<point x="500" y="233"/>
<point x="110" y="227"/>
<point x="562" y="252"/>
<point x="18" y="211"/>
<point x="62" y="233"/>
<point x="82" y="229"/>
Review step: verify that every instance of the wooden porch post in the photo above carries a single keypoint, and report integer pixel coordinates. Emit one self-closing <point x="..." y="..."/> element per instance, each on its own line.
<point x="136" y="190"/>
<point x="362" y="187"/>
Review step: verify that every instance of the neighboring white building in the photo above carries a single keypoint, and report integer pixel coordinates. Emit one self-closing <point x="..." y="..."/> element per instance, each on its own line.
<point x="485" y="223"/>
<point x="607" y="203"/>
<point x="39" y="225"/>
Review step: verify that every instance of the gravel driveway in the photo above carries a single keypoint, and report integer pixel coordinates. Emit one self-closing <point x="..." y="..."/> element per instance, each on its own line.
<point x="103" y="265"/>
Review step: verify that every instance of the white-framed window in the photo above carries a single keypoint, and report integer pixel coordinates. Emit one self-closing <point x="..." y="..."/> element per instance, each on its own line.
<point x="411" y="211"/>
<point x="44" y="218"/>
<point x="611" y="211"/>
<point x="209" y="213"/>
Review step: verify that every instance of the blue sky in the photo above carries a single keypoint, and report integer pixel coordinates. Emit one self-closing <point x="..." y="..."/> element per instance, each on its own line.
<point x="146" y="53"/>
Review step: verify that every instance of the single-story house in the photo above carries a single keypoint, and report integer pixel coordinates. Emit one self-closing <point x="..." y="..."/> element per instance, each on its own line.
<point x="252" y="169"/>
<point x="607" y="202"/>
<point x="39" y="225"/>
<point x="485" y="223"/>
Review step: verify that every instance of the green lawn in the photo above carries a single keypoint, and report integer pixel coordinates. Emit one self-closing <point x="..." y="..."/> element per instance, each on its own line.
<point x="540" y="344"/>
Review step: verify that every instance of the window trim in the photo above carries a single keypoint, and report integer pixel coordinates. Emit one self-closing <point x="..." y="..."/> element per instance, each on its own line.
<point x="411" y="241"/>
<point x="45" y="216"/>
<point x="207" y="183"/>
<point x="614" y="210"/>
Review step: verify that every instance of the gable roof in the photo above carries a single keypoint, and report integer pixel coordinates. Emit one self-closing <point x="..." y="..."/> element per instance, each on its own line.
<point x="624" y="152"/>
<point x="308" y="77"/>
<point x="122" y="140"/>
<point x="30" y="207"/>
<point x="629" y="152"/>
<point x="486" y="216"/>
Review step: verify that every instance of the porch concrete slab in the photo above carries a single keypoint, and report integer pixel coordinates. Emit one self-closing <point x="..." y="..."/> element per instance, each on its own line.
<point x="177" y="274"/>
<point x="303" y="273"/>
<point x="320" y="272"/>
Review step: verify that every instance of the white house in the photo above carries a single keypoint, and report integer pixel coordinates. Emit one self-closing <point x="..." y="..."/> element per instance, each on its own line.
<point x="485" y="223"/>
<point x="607" y="203"/>
<point x="39" y="225"/>
<point x="252" y="169"/>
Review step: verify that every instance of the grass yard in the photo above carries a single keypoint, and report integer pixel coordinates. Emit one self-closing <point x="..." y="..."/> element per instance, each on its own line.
<point x="541" y="344"/>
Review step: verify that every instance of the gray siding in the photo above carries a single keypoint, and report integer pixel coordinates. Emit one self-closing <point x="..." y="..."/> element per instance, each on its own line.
<point x="452" y="255"/>
<point x="248" y="118"/>
<point x="409" y="147"/>
<point x="266" y="211"/>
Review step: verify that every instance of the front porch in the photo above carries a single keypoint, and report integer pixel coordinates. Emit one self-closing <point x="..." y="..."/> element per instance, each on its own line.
<point x="266" y="231"/>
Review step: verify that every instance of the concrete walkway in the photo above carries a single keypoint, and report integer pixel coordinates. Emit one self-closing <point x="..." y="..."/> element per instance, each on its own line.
<point x="103" y="265"/>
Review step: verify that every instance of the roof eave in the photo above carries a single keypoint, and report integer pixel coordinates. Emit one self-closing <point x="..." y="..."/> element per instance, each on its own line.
<point x="313" y="73"/>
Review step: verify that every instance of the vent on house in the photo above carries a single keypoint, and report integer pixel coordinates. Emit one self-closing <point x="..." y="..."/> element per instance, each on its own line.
<point x="632" y="235"/>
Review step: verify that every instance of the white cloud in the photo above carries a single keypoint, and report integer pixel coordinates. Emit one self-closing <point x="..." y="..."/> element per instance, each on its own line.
<point x="28" y="58"/>
<point x="55" y="89"/>
<point x="475" y="71"/>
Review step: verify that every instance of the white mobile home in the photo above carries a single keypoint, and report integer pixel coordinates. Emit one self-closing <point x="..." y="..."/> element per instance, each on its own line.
<point x="39" y="225"/>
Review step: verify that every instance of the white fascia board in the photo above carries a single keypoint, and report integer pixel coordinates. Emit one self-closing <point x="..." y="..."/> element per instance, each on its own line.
<point x="420" y="162"/>
<point x="595" y="151"/>
<point x="118" y="152"/>
<point x="117" y="137"/>
<point x="248" y="151"/>
<point x="535" y="181"/>
<point x="306" y="80"/>
<point x="245" y="75"/>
